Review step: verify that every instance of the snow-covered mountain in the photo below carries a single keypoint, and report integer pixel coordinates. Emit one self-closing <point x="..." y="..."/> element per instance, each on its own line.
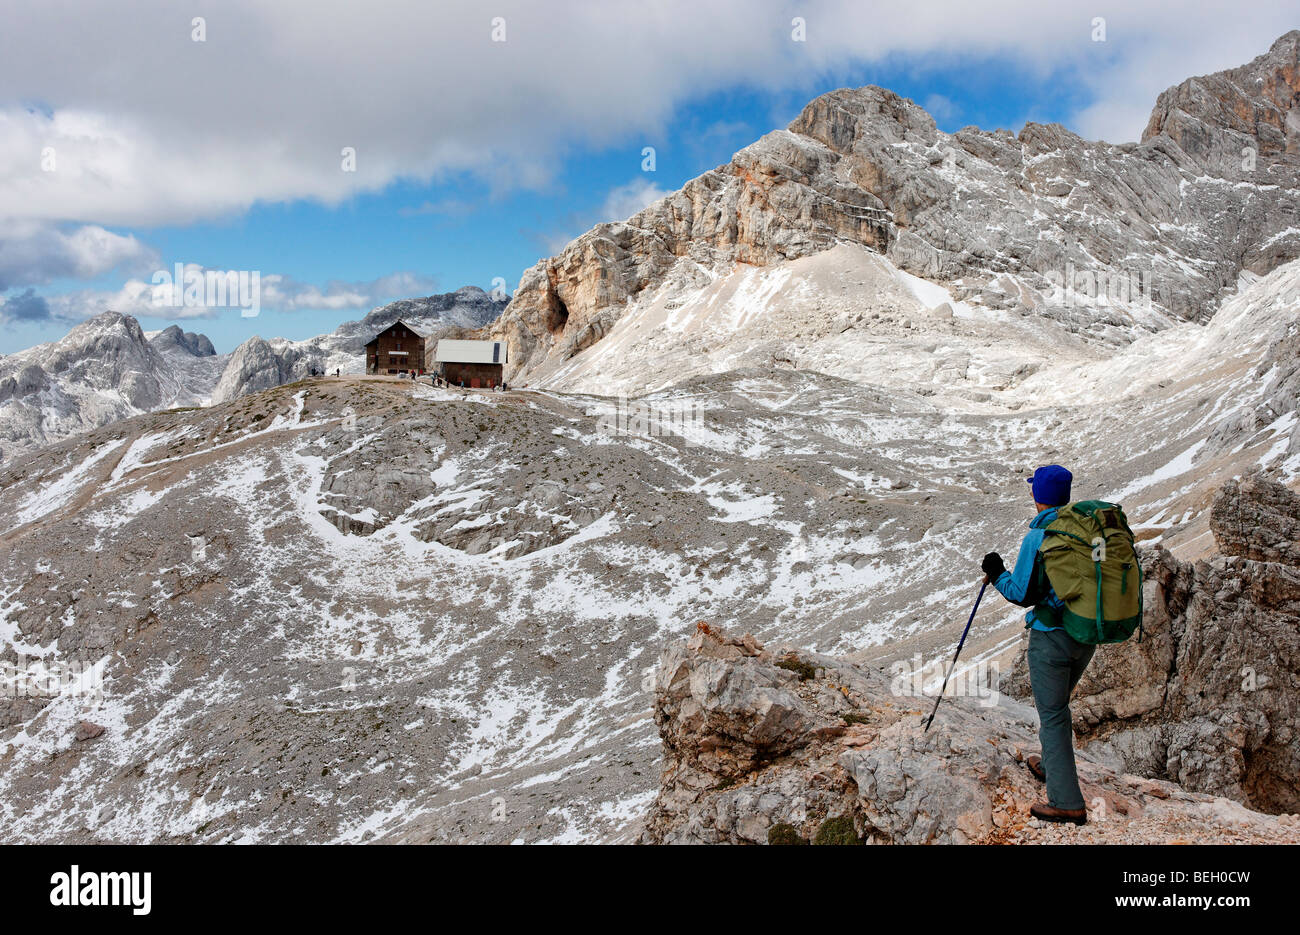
<point x="103" y="370"/>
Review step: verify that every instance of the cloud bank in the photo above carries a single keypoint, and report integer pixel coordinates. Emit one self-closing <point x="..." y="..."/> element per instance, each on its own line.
<point x="138" y="123"/>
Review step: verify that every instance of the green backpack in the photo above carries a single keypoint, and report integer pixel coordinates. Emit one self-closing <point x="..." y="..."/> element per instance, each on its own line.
<point x="1091" y="563"/>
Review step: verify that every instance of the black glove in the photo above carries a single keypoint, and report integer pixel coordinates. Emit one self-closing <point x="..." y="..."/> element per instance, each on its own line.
<point x="993" y="566"/>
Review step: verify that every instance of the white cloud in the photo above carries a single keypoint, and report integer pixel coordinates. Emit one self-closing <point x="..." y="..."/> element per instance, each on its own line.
<point x="143" y="299"/>
<point x="626" y="200"/>
<point x="135" y="297"/>
<point x="35" y="253"/>
<point x="147" y="126"/>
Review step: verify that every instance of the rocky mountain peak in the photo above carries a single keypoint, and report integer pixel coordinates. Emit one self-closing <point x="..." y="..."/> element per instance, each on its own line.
<point x="105" y="368"/>
<point x="1217" y="119"/>
<point x="1000" y="220"/>
<point x="102" y="350"/>
<point x="175" y="338"/>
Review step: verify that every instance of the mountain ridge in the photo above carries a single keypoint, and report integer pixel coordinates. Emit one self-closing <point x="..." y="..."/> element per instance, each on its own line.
<point x="80" y="382"/>
<point x="865" y="166"/>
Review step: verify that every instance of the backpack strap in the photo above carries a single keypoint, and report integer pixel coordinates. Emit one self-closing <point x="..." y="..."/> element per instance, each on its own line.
<point x="1137" y="564"/>
<point x="1040" y="590"/>
<point x="1101" y="630"/>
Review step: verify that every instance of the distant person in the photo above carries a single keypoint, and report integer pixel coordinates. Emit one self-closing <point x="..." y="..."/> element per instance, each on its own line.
<point x="337" y="372"/>
<point x="1056" y="660"/>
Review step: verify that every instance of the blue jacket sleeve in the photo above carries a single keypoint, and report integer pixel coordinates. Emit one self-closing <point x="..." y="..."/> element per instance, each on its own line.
<point x="1014" y="584"/>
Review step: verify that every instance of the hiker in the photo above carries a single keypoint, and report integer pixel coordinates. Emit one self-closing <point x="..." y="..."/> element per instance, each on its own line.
<point x="1056" y="660"/>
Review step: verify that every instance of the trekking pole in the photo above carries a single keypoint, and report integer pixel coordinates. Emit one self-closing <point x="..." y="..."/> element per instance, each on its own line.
<point x="960" y="644"/>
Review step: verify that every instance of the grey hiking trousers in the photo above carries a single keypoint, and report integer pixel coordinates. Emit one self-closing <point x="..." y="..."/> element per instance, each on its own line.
<point x="1056" y="663"/>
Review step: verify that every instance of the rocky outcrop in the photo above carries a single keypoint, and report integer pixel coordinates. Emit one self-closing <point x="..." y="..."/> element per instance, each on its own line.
<point x="1210" y="699"/>
<point x="173" y="338"/>
<point x="87" y="730"/>
<point x="788" y="747"/>
<point x="30" y="379"/>
<point x="1000" y="217"/>
<point x="1215" y="117"/>
<point x="1257" y="519"/>
<point x="258" y="364"/>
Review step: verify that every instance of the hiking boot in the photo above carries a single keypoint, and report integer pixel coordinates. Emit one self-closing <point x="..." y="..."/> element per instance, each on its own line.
<point x="1035" y="766"/>
<point x="1045" y="812"/>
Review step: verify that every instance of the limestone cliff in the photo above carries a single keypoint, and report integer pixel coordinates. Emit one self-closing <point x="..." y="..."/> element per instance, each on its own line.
<point x="999" y="217"/>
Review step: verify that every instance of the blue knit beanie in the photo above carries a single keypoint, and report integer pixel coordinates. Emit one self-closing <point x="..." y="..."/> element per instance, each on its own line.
<point x="1051" y="484"/>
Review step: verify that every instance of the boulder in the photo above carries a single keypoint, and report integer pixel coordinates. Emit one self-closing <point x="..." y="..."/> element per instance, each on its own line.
<point x="87" y="730"/>
<point x="787" y="747"/>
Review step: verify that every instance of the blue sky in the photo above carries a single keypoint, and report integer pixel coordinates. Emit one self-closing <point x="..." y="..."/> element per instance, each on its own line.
<point x="479" y="183"/>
